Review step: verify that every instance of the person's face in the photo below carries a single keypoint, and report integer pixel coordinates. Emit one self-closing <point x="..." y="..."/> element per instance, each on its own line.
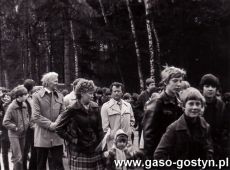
<point x="98" y="96"/>
<point x="209" y="91"/>
<point x="151" y="85"/>
<point x="129" y="100"/>
<point x="86" y="97"/>
<point x="7" y="98"/>
<point x="173" y="85"/>
<point x="193" y="108"/>
<point x="121" y="143"/>
<point x="53" y="83"/>
<point x="1" y="93"/>
<point x="116" y="93"/>
<point x="23" y="97"/>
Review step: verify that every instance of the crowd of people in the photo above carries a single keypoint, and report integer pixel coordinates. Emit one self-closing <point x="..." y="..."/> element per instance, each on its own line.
<point x="95" y="126"/>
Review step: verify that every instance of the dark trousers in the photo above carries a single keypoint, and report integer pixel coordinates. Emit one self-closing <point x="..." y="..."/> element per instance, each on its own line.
<point x="29" y="147"/>
<point x="56" y="154"/>
<point x="4" y="147"/>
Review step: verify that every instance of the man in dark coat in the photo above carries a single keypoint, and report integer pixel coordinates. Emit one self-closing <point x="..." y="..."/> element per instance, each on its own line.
<point x="142" y="99"/>
<point x="166" y="110"/>
<point x="214" y="113"/>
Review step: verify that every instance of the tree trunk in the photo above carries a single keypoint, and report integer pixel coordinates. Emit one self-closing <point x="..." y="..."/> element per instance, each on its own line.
<point x="150" y="40"/>
<point x="6" y="78"/>
<point x="157" y="57"/>
<point x="136" y="46"/>
<point x="103" y="12"/>
<point x="1" y="56"/>
<point x="154" y="57"/>
<point x="47" y="46"/>
<point x="75" y="50"/>
<point x="66" y="60"/>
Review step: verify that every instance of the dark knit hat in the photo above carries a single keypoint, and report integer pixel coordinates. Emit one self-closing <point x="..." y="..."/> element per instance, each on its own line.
<point x="209" y="79"/>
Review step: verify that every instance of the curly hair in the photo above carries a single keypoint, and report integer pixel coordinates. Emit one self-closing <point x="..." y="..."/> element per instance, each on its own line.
<point x="84" y="86"/>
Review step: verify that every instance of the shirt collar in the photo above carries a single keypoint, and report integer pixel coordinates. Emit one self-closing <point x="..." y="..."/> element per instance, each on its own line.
<point x="47" y="90"/>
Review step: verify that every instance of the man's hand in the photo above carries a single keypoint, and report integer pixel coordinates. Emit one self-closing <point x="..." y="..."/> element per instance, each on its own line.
<point x="53" y="126"/>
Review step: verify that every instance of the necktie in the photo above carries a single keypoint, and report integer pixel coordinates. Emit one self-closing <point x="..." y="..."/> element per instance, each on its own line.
<point x="119" y="104"/>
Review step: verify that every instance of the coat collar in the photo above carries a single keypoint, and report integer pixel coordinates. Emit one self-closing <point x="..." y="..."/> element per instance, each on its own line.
<point x="114" y="106"/>
<point x="182" y="125"/>
<point x="14" y="105"/>
<point x="44" y="91"/>
<point x="168" y="99"/>
<point x="77" y="105"/>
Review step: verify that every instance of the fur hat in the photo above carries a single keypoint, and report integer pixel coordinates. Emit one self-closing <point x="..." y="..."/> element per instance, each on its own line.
<point x="209" y="79"/>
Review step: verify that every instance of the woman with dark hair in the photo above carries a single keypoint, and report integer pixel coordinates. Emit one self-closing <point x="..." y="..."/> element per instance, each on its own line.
<point x="80" y="125"/>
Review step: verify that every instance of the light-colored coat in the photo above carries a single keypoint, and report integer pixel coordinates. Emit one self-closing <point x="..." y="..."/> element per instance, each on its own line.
<point x="70" y="99"/>
<point x="16" y="118"/>
<point x="44" y="112"/>
<point x="115" y="118"/>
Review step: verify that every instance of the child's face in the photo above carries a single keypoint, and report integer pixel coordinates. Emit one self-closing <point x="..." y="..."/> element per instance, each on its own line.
<point x="193" y="108"/>
<point x="209" y="91"/>
<point x="121" y="143"/>
<point x="173" y="85"/>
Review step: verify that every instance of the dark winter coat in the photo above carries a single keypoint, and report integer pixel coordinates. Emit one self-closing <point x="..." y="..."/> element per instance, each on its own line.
<point x="139" y="108"/>
<point x="178" y="143"/>
<point x="216" y="116"/>
<point x="165" y="111"/>
<point x="85" y="125"/>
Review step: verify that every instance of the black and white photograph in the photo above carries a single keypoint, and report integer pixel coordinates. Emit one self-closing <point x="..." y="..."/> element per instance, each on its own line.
<point x="114" y="84"/>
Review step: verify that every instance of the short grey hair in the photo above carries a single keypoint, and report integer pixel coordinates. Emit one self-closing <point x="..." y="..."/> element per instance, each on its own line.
<point x="47" y="77"/>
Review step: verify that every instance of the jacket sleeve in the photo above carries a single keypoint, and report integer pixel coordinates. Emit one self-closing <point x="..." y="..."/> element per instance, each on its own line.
<point x="36" y="114"/>
<point x="104" y="118"/>
<point x="61" y="128"/>
<point x="100" y="129"/>
<point x="132" y="119"/>
<point x="208" y="145"/>
<point x="166" y="145"/>
<point x="151" y="129"/>
<point x="8" y="120"/>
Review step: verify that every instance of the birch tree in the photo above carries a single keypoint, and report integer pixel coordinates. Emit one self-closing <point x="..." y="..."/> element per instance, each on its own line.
<point x="136" y="45"/>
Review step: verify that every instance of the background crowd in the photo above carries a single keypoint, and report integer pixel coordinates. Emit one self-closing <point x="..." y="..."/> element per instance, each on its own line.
<point x="94" y="126"/>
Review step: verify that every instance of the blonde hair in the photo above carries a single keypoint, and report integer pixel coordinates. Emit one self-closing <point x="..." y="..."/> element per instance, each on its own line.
<point x="84" y="86"/>
<point x="192" y="93"/>
<point x="47" y="77"/>
<point x="170" y="72"/>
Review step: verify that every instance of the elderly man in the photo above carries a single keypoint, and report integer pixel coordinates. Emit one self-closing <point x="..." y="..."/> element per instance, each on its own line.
<point x="47" y="105"/>
<point x="117" y="114"/>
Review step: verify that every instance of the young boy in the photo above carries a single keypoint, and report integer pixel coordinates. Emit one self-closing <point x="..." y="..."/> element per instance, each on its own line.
<point x="16" y="120"/>
<point x="187" y="138"/>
